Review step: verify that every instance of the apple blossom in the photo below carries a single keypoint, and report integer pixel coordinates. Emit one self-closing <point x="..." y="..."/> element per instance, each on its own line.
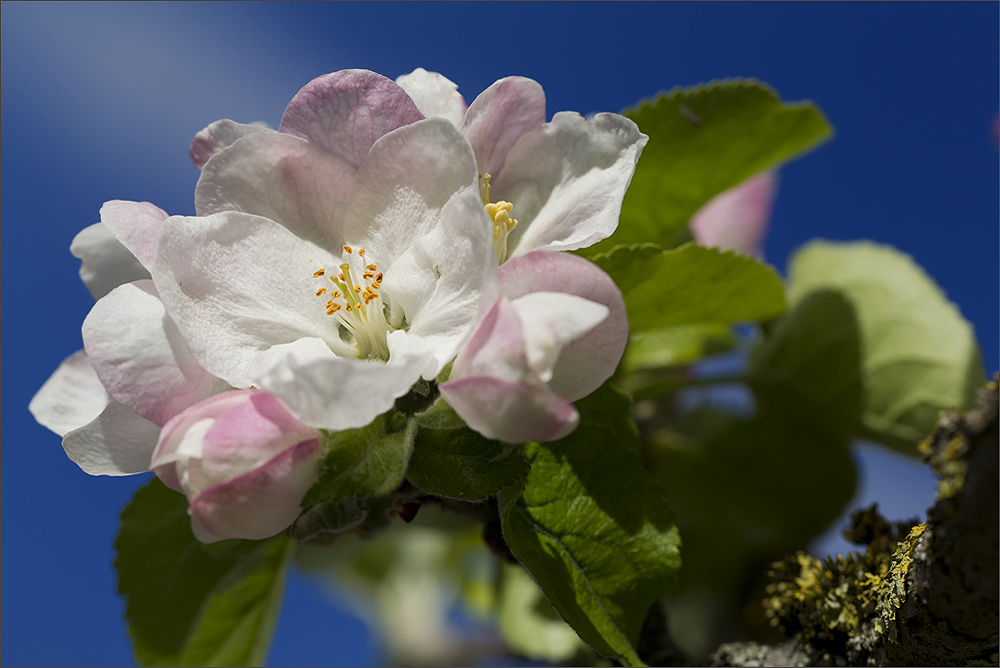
<point x="336" y="261"/>
<point x="558" y="185"/>
<point x="243" y="461"/>
<point x="737" y="219"/>
<point x="554" y="335"/>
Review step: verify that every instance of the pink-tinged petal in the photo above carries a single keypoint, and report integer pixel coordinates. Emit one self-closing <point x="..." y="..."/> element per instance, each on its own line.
<point x="511" y="412"/>
<point x="136" y="225"/>
<point x="249" y="434"/>
<point x="405" y="181"/>
<point x="434" y="95"/>
<point x="440" y="279"/>
<point x="260" y="503"/>
<point x="567" y="180"/>
<point x="105" y="262"/>
<point x="737" y="219"/>
<point x="117" y="442"/>
<point x="330" y="392"/>
<point x="499" y="117"/>
<point x="71" y="397"/>
<point x="283" y="178"/>
<point x="552" y="320"/>
<point x="496" y="347"/>
<point x="140" y="356"/>
<point x="217" y="277"/>
<point x="220" y="135"/>
<point x="171" y="445"/>
<point x="587" y="362"/>
<point x="347" y="111"/>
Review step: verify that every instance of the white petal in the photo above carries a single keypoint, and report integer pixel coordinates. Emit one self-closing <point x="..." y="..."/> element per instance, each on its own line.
<point x="400" y="189"/>
<point x="139" y="354"/>
<point x="136" y="225"/>
<point x="551" y="320"/>
<point x="567" y="180"/>
<point x="283" y="178"/>
<point x="71" y="397"/>
<point x="439" y="281"/>
<point x="218" y="136"/>
<point x="434" y="95"/>
<point x="330" y="392"/>
<point x="105" y="262"/>
<point x="237" y="284"/>
<point x="117" y="442"/>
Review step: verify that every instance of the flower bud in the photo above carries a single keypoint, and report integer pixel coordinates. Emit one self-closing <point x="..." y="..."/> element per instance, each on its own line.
<point x="243" y="461"/>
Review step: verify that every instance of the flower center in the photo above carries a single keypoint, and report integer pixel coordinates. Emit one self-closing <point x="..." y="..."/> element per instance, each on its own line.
<point x="357" y="306"/>
<point x="499" y="213"/>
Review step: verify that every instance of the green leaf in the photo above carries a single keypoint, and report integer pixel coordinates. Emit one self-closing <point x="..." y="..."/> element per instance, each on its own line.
<point x="704" y="140"/>
<point x="593" y="529"/>
<point x="190" y="604"/>
<point x="692" y="285"/>
<point x="873" y="340"/>
<point x="528" y="623"/>
<point x="749" y="490"/>
<point x="673" y="346"/>
<point x="451" y="460"/>
<point x="370" y="461"/>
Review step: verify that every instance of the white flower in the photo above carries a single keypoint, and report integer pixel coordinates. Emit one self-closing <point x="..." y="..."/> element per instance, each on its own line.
<point x="335" y="262"/>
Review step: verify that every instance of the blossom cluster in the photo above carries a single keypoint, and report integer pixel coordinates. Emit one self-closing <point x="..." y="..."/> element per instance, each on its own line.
<point x="383" y="234"/>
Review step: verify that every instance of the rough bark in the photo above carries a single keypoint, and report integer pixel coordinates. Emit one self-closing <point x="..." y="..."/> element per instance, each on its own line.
<point x="937" y="601"/>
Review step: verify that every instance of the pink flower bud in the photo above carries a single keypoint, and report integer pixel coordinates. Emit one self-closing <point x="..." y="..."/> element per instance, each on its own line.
<point x="737" y="219"/>
<point x="243" y="461"/>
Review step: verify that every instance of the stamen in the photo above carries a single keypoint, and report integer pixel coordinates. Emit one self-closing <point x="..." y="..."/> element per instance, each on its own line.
<point x="361" y="252"/>
<point x="320" y="291"/>
<point x="318" y="273"/>
<point x="347" y="249"/>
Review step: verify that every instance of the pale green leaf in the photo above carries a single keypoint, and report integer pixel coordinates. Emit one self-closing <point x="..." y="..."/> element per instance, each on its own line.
<point x="704" y="140"/>
<point x="672" y="346"/>
<point x="451" y="460"/>
<point x="903" y="351"/>
<point x="527" y="622"/>
<point x="593" y="529"/>
<point x="189" y="604"/>
<point x="692" y="285"/>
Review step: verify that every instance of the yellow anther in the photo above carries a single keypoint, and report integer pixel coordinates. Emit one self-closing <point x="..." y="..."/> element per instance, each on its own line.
<point x="318" y="273"/>
<point x="361" y="252"/>
<point x="348" y="249"/>
<point x="335" y="294"/>
<point x="341" y="276"/>
<point x="499" y="213"/>
<point x="320" y="291"/>
<point x="371" y="267"/>
<point x="367" y="275"/>
<point x="357" y="288"/>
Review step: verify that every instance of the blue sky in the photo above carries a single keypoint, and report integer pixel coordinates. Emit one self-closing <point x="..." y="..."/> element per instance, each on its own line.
<point x="100" y="102"/>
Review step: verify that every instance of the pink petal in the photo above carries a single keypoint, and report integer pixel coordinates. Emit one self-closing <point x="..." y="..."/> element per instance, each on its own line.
<point x="501" y="115"/>
<point x="260" y="503"/>
<point x="587" y="362"/>
<point x="218" y="136"/>
<point x="737" y="218"/>
<point x="136" y="225"/>
<point x="284" y="179"/>
<point x="496" y="347"/>
<point x="347" y="111"/>
<point x="511" y="412"/>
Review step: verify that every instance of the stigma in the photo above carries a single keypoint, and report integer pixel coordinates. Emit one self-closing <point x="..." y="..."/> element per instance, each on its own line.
<point x="356" y="305"/>
<point x="503" y="223"/>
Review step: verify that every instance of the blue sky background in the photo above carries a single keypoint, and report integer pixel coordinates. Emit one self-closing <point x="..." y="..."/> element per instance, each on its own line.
<point x="100" y="102"/>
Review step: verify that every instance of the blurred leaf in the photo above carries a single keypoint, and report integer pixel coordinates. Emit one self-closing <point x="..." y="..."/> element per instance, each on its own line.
<point x="692" y="285"/>
<point x="527" y="622"/>
<point x="872" y="340"/>
<point x="330" y="517"/>
<point x="673" y="346"/>
<point x="593" y="529"/>
<point x="745" y="489"/>
<point x="370" y="461"/>
<point x="451" y="460"/>
<point x="190" y="604"/>
<point x="704" y="140"/>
